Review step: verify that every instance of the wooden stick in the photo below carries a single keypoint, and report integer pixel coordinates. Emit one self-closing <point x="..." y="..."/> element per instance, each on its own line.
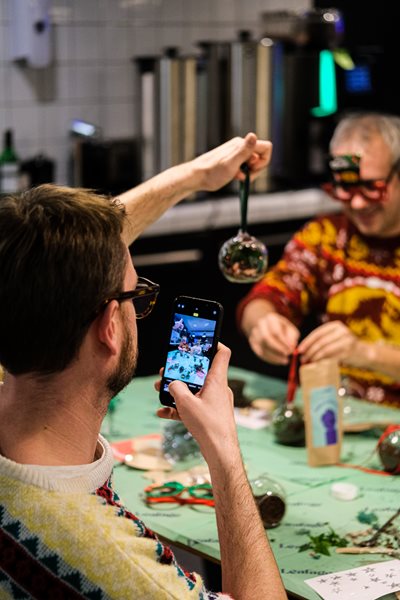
<point x="365" y="550"/>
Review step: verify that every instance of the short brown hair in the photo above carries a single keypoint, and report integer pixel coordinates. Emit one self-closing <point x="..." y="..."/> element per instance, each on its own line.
<point x="61" y="256"/>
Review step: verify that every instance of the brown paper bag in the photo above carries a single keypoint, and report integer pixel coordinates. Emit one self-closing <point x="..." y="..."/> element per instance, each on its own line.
<point x="322" y="411"/>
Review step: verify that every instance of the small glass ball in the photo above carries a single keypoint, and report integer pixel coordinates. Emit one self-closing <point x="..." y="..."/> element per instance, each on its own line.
<point x="288" y="425"/>
<point x="243" y="259"/>
<point x="389" y="452"/>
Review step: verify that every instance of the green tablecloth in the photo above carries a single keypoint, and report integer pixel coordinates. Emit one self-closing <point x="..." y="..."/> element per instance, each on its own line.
<point x="309" y="503"/>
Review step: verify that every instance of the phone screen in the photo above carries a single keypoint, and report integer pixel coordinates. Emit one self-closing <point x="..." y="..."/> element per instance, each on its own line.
<point x="193" y="340"/>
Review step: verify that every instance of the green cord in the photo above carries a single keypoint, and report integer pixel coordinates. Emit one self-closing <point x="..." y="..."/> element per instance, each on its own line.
<point x="244" y="196"/>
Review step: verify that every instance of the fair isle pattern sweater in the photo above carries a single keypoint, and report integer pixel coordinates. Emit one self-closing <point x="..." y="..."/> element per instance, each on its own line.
<point x="331" y="270"/>
<point x="65" y="534"/>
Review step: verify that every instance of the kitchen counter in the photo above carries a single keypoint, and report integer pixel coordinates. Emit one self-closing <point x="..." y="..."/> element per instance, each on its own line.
<point x="217" y="213"/>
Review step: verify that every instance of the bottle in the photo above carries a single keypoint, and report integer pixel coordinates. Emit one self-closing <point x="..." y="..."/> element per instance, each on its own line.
<point x="270" y="498"/>
<point x="9" y="165"/>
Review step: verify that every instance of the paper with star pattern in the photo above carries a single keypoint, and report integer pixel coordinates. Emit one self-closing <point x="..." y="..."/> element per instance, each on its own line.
<point x="368" y="582"/>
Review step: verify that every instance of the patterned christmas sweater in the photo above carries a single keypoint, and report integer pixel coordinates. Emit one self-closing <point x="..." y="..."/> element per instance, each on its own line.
<point x="331" y="270"/>
<point x="65" y="534"/>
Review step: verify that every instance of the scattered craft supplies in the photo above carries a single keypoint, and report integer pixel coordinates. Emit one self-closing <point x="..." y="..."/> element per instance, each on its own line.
<point x="143" y="452"/>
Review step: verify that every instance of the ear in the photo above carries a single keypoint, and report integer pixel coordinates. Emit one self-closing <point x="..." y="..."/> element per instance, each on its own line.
<point x="108" y="327"/>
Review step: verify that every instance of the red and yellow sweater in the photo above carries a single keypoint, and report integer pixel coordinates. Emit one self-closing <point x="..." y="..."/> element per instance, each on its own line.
<point x="331" y="270"/>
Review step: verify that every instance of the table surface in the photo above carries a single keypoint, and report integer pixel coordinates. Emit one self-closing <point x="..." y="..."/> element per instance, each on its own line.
<point x="310" y="505"/>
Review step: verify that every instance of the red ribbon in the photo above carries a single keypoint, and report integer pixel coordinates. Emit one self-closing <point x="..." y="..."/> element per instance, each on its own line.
<point x="389" y="429"/>
<point x="292" y="380"/>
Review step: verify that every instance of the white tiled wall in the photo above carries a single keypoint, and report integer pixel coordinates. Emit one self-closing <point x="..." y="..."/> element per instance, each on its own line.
<point x="92" y="75"/>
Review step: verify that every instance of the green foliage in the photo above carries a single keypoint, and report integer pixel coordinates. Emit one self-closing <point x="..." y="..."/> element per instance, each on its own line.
<point x="321" y="544"/>
<point x="369" y="518"/>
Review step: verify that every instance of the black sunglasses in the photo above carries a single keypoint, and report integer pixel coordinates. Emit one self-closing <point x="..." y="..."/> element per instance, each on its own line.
<point x="144" y="297"/>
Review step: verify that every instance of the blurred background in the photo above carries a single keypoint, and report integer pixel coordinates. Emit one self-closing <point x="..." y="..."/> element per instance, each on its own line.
<point x="106" y="93"/>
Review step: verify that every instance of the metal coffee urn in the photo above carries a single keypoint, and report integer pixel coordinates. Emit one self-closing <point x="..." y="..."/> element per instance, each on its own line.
<point x="251" y="92"/>
<point x="167" y="110"/>
<point x="235" y="92"/>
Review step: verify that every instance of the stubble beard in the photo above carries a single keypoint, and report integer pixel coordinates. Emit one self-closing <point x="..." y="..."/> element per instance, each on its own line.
<point x="126" y="368"/>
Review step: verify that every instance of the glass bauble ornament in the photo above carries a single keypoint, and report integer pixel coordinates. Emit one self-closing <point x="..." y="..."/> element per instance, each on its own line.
<point x="389" y="449"/>
<point x="288" y="425"/>
<point x="243" y="258"/>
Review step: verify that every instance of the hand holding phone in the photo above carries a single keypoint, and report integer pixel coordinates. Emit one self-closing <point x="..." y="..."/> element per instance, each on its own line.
<point x="193" y="338"/>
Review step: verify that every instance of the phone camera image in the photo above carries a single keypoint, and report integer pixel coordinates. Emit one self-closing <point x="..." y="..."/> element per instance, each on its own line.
<point x="192" y="344"/>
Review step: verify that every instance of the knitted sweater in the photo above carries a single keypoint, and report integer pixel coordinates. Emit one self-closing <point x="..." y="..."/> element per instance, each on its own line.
<point x="331" y="270"/>
<point x="64" y="533"/>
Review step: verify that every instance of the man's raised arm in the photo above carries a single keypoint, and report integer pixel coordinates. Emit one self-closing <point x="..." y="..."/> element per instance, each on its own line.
<point x="208" y="172"/>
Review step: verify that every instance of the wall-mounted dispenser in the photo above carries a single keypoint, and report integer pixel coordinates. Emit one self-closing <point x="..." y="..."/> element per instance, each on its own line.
<point x="30" y="32"/>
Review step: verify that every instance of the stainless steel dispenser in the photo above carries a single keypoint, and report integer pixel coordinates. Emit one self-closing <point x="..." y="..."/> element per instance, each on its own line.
<point x="167" y="110"/>
<point x="235" y="92"/>
<point x="213" y="93"/>
<point x="251" y="66"/>
<point x="190" y="104"/>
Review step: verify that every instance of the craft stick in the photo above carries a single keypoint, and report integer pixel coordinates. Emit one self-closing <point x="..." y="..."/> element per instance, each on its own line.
<point x="365" y="550"/>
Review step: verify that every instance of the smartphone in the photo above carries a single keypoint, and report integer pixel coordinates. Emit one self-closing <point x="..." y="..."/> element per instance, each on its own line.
<point x="192" y="343"/>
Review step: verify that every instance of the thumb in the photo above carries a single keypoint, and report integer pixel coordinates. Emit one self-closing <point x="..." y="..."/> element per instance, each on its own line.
<point x="219" y="368"/>
<point x="251" y="140"/>
<point x="177" y="389"/>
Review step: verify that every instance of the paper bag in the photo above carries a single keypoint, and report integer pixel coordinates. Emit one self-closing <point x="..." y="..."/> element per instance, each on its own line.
<point x="322" y="411"/>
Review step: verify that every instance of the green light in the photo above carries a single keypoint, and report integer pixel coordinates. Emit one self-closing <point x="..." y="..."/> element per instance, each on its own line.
<point x="327" y="86"/>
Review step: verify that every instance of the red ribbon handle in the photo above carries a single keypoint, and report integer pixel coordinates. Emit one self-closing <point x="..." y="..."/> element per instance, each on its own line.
<point x="292" y="381"/>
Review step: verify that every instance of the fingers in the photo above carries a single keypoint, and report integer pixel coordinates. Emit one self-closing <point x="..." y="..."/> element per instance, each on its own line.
<point x="220" y="364"/>
<point x="320" y="337"/>
<point x="331" y="340"/>
<point x="274" y="338"/>
<point x="178" y="388"/>
<point x="259" y="158"/>
<point x="282" y="333"/>
<point x="222" y="164"/>
<point x="167" y="412"/>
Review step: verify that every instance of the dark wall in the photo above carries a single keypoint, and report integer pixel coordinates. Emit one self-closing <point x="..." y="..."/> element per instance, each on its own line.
<point x="372" y="37"/>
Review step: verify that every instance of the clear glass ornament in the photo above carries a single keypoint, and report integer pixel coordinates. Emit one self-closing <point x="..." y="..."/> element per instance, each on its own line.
<point x="243" y="258"/>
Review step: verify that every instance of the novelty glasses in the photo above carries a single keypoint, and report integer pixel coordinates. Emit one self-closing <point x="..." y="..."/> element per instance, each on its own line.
<point x="173" y="491"/>
<point x="144" y="297"/>
<point x="373" y="190"/>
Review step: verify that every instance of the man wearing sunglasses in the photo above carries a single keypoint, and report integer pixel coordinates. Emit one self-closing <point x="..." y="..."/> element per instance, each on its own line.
<point x="344" y="269"/>
<point x="69" y="300"/>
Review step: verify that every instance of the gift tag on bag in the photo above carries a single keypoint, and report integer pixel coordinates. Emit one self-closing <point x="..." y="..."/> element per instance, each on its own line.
<point x="322" y="411"/>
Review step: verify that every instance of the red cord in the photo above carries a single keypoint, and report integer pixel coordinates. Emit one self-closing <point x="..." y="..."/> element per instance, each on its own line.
<point x="292" y="380"/>
<point x="384" y="435"/>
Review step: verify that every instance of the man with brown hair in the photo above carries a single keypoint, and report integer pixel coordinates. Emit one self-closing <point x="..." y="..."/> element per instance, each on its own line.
<point x="69" y="300"/>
